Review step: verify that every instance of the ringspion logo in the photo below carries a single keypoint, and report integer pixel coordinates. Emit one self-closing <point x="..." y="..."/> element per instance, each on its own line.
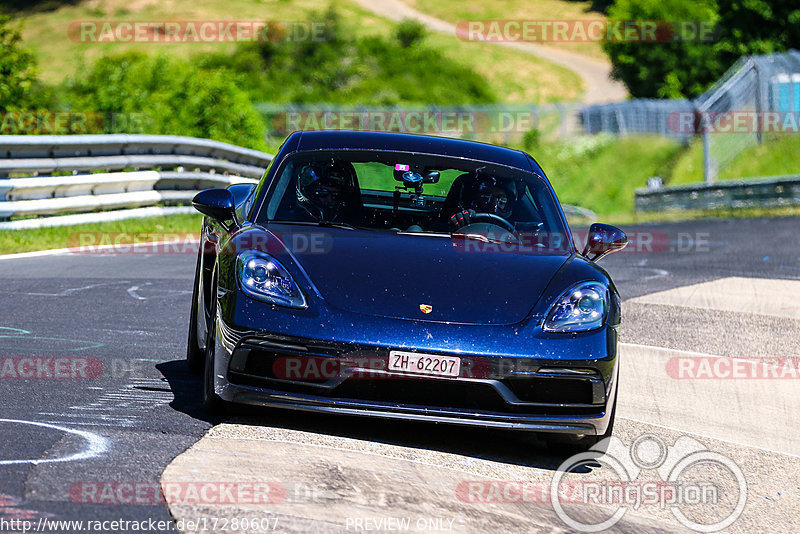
<point x="704" y="490"/>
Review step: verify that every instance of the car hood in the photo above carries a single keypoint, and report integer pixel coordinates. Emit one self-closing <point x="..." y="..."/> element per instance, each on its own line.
<point x="396" y="275"/>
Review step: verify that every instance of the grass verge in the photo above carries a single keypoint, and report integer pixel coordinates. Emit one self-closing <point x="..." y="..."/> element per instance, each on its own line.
<point x="138" y="231"/>
<point x="455" y="11"/>
<point x="776" y="156"/>
<point x="165" y="228"/>
<point x="601" y="172"/>
<point x="514" y="76"/>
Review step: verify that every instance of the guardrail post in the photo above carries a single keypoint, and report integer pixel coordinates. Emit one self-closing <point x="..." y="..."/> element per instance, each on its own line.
<point x="709" y="172"/>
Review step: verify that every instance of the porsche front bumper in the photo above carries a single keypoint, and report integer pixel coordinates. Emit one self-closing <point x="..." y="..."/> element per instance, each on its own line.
<point x="522" y="392"/>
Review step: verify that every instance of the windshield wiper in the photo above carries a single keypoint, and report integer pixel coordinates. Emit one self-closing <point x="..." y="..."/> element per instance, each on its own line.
<point x="482" y="238"/>
<point x="324" y="224"/>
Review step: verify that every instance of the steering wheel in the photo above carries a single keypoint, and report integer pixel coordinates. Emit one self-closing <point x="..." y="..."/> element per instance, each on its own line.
<point x="496" y="220"/>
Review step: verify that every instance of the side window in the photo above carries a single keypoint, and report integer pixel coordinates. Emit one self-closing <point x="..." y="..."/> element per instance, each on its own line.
<point x="283" y="202"/>
<point x="260" y="187"/>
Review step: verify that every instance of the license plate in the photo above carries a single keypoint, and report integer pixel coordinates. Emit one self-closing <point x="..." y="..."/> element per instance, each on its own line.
<point x="424" y="364"/>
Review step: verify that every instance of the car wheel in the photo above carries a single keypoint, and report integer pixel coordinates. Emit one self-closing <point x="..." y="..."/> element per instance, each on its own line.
<point x="195" y="353"/>
<point x="571" y="445"/>
<point x="212" y="402"/>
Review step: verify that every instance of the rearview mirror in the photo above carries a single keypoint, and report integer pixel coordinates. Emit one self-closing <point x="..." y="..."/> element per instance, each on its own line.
<point x="603" y="239"/>
<point x="432" y="177"/>
<point x="217" y="204"/>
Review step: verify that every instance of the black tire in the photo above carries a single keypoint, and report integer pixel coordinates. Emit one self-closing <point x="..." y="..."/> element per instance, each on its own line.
<point x="211" y="401"/>
<point x="570" y="445"/>
<point x="195" y="354"/>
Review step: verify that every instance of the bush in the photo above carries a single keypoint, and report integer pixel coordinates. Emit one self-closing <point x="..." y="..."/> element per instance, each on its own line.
<point x="163" y="95"/>
<point x="212" y="95"/>
<point x="410" y="32"/>
<point x="345" y="69"/>
<point x="531" y="139"/>
<point x="20" y="89"/>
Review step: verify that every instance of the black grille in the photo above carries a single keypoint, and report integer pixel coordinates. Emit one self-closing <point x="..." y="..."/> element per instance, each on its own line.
<point x="269" y="364"/>
<point x="441" y="393"/>
<point x="554" y="390"/>
<point x="260" y="366"/>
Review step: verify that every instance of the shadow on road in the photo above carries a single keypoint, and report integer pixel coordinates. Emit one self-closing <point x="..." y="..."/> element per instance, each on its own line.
<point x="505" y="446"/>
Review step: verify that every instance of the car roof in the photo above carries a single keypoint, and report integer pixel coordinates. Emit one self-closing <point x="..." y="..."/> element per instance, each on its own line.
<point x="403" y="142"/>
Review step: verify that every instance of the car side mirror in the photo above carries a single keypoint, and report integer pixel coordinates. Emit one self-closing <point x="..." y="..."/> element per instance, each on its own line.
<point x="603" y="239"/>
<point x="217" y="204"/>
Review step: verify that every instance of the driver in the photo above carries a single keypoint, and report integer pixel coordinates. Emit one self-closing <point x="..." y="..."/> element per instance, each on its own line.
<point x="486" y="194"/>
<point x="329" y="192"/>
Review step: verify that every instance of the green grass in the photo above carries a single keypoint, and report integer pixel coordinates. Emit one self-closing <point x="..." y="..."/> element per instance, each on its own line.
<point x="537" y="10"/>
<point x="601" y="172"/>
<point x="514" y="76"/>
<point x="139" y="231"/>
<point x="777" y="156"/>
<point x="691" y="215"/>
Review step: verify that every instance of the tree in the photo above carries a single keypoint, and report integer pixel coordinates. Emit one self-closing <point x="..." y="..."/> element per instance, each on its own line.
<point x="757" y="27"/>
<point x="137" y="93"/>
<point x="686" y="67"/>
<point x="677" y="66"/>
<point x="19" y="88"/>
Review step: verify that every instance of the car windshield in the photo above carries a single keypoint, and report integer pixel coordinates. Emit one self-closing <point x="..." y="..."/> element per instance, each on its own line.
<point x="411" y="193"/>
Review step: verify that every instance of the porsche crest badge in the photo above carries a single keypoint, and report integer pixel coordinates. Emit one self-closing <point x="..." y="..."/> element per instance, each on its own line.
<point x="425" y="308"/>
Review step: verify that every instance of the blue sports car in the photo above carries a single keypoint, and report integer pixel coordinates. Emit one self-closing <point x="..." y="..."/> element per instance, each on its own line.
<point x="406" y="277"/>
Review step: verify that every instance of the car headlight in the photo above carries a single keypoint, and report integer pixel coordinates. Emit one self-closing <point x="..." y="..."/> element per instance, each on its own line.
<point x="263" y="277"/>
<point x="582" y="307"/>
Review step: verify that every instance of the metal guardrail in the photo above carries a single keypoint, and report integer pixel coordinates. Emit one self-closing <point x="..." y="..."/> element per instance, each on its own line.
<point x="61" y="146"/>
<point x="177" y="167"/>
<point x="769" y="192"/>
<point x="112" y="177"/>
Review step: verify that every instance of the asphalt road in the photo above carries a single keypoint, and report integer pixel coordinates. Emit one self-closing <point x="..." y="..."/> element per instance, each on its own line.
<point x="111" y="401"/>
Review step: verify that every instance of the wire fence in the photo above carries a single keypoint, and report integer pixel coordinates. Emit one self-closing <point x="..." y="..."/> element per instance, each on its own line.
<point x="643" y="115"/>
<point x="758" y="97"/>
